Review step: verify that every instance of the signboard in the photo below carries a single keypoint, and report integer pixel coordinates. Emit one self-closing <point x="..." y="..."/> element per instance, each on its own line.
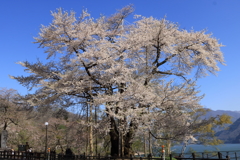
<point x="21" y="148"/>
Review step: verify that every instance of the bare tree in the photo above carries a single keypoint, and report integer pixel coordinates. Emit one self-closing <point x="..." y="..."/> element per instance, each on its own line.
<point x="8" y="107"/>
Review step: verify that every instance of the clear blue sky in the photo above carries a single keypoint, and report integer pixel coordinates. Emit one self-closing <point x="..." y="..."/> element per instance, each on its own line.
<point x="20" y="21"/>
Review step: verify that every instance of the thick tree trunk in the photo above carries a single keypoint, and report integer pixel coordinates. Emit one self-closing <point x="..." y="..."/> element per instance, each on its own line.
<point x="114" y="137"/>
<point x="128" y="140"/>
<point x="114" y="145"/>
<point x="128" y="144"/>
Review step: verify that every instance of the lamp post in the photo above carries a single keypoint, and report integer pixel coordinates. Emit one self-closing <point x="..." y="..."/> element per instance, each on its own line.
<point x="46" y="124"/>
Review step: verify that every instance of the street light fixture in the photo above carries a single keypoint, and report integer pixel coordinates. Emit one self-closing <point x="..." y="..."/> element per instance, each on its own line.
<point x="46" y="124"/>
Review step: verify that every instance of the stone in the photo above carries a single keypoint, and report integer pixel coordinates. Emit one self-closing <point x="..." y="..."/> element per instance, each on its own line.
<point x="4" y="137"/>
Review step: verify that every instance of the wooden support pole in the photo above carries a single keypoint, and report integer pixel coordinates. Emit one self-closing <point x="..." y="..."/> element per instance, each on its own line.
<point x="193" y="156"/>
<point x="219" y="155"/>
<point x="170" y="156"/>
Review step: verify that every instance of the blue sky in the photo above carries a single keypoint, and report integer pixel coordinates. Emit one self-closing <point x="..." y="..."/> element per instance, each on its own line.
<point x="20" y="21"/>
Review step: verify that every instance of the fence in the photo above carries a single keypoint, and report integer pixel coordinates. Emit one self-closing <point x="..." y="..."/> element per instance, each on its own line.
<point x="22" y="155"/>
<point x="230" y="155"/>
<point x="13" y="155"/>
<point x="206" y="157"/>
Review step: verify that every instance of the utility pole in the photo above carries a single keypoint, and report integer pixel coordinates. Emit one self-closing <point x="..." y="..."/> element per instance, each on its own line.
<point x="145" y="154"/>
<point x="120" y="139"/>
<point x="90" y="124"/>
<point x="96" y="130"/>
<point x="46" y="155"/>
<point x="149" y="138"/>
<point x="90" y="132"/>
<point x="87" y="131"/>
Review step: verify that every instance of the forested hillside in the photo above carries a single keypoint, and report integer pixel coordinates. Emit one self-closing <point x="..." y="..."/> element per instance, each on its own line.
<point x="232" y="134"/>
<point x="66" y="128"/>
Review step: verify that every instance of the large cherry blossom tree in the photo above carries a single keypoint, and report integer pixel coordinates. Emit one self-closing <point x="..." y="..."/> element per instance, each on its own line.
<point x="136" y="72"/>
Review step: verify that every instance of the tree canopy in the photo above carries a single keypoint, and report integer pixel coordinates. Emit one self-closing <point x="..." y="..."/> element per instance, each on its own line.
<point x="137" y="72"/>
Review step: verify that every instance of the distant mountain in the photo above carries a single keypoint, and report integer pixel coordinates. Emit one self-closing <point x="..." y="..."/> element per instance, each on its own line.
<point x="232" y="135"/>
<point x="234" y="114"/>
